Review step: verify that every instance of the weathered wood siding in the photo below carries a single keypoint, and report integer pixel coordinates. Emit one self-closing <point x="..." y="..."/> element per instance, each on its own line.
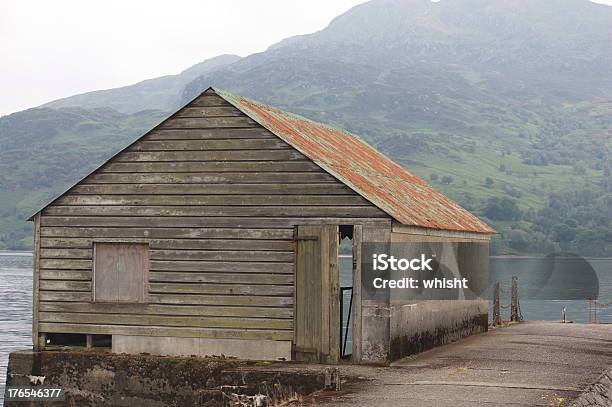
<point x="217" y="198"/>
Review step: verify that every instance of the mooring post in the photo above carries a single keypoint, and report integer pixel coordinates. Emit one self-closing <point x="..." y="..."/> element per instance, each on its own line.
<point x="496" y="305"/>
<point x="514" y="310"/>
<point x="564" y="315"/>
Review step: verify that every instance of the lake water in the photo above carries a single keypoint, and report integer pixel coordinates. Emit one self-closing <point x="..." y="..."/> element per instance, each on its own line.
<point x="16" y="295"/>
<point x="15" y="307"/>
<point x="545" y="288"/>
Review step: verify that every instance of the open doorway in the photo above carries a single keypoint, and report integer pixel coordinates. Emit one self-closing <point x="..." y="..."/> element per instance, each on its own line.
<point x="345" y="260"/>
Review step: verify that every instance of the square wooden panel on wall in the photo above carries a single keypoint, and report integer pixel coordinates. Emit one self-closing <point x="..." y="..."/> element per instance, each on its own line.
<point x="120" y="272"/>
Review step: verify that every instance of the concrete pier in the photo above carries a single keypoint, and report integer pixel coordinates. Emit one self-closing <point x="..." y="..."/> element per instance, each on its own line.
<point x="527" y="364"/>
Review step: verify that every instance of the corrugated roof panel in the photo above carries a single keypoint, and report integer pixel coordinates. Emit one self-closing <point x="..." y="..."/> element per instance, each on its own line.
<point x="404" y="196"/>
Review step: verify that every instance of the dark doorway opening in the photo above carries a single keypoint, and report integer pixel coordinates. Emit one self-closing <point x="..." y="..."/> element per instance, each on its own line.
<point x="345" y="261"/>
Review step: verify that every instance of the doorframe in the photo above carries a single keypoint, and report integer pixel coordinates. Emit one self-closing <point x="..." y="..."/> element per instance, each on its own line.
<point x="357" y="312"/>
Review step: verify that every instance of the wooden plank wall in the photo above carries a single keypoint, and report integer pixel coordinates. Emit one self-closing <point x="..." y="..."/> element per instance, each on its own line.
<point x="216" y="197"/>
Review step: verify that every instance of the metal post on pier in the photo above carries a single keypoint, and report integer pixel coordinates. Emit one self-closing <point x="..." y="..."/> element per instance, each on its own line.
<point x="564" y="315"/>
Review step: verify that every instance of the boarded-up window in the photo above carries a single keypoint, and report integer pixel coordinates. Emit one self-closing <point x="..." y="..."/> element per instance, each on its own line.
<point x="120" y="272"/>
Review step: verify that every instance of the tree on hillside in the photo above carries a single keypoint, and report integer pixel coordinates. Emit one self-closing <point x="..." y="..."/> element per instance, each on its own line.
<point x="502" y="209"/>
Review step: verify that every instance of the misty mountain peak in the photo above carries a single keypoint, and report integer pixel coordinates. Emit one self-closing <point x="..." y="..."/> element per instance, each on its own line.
<point x="458" y="20"/>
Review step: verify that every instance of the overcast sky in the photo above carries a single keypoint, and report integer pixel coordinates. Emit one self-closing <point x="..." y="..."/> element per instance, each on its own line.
<point x="53" y="49"/>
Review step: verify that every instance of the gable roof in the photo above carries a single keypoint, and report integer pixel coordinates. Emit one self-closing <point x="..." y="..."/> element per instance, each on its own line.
<point x="387" y="185"/>
<point x="374" y="176"/>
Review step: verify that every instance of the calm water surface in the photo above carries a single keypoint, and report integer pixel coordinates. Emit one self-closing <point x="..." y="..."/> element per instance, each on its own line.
<point x="575" y="278"/>
<point x="15" y="307"/>
<point x="16" y="297"/>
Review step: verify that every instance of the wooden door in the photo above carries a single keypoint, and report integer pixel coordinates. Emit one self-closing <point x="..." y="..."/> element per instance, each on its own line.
<point x="317" y="287"/>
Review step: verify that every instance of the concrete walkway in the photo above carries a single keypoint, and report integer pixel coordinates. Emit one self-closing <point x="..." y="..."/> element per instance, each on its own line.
<point x="527" y="364"/>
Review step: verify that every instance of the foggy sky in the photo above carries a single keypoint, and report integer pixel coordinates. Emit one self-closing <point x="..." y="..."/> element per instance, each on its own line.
<point x="54" y="49"/>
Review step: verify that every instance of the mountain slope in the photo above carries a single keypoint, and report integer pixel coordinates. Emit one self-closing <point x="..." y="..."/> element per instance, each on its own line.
<point x="159" y="93"/>
<point x="504" y="105"/>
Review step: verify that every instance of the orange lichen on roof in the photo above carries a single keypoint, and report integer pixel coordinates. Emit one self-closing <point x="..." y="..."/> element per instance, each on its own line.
<point x="386" y="184"/>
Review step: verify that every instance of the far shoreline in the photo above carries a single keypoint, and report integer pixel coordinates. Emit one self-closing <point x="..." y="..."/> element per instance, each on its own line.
<point x="24" y="253"/>
<point x="542" y="256"/>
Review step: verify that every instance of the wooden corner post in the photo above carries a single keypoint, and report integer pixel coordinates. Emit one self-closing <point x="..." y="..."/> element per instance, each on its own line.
<point x="38" y="341"/>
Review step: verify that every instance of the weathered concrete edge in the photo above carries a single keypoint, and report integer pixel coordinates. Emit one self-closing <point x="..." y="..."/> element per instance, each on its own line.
<point x="598" y="394"/>
<point x="108" y="379"/>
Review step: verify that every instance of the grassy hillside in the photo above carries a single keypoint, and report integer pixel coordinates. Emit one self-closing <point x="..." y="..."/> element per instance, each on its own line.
<point x="44" y="151"/>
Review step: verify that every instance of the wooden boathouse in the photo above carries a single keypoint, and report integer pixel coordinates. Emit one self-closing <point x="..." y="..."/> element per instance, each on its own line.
<point x="217" y="232"/>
